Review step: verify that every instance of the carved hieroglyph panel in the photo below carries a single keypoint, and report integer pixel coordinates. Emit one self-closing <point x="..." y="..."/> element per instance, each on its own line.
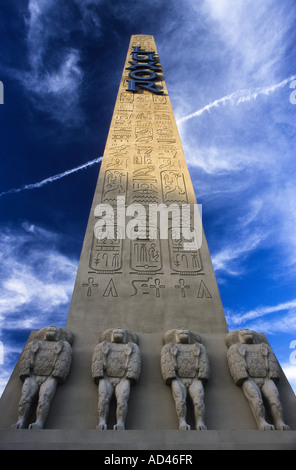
<point x="145" y="255"/>
<point x="106" y="254"/>
<point x="115" y="184"/>
<point x="183" y="261"/>
<point x="173" y="187"/>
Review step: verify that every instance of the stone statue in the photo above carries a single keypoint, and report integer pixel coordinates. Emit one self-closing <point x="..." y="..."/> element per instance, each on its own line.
<point x="116" y="365"/>
<point x="45" y="362"/>
<point x="254" y="367"/>
<point x="185" y="366"/>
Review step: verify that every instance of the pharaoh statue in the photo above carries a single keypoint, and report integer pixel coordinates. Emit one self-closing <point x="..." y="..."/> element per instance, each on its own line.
<point x="116" y="365"/>
<point x="254" y="367"/>
<point x="45" y="362"/>
<point x="185" y="367"/>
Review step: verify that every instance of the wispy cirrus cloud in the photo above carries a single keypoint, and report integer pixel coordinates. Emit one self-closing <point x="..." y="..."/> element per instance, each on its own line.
<point x="34" y="280"/>
<point x="272" y="319"/>
<point x="54" y="74"/>
<point x="262" y="311"/>
<point x="36" y="285"/>
<point x="255" y="35"/>
<point x="231" y="260"/>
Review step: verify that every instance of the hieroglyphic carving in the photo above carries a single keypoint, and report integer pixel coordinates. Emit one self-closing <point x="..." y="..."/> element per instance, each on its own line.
<point x="146" y="254"/>
<point x="143" y="132"/>
<point x="169" y="162"/>
<point x="122" y="135"/>
<point x="163" y="120"/>
<point x="143" y="102"/>
<point x="145" y="183"/>
<point x="140" y="286"/>
<point x="117" y="162"/>
<point x="110" y="290"/>
<point x="119" y="151"/>
<point x="142" y="156"/>
<point x="159" y="100"/>
<point x="157" y="286"/>
<point x="181" y="260"/>
<point x="90" y="284"/>
<point x="145" y="191"/>
<point x="121" y="128"/>
<point x="182" y="286"/>
<point x="106" y="254"/>
<point x="173" y="187"/>
<point x="115" y="184"/>
<point x="203" y="291"/>
<point x="147" y="287"/>
<point x="126" y="102"/>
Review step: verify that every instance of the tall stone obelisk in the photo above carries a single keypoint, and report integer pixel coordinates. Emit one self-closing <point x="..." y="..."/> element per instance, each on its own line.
<point x="136" y="278"/>
<point x="145" y="284"/>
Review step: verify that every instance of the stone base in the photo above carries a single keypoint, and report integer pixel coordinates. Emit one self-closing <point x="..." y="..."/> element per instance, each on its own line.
<point x="73" y="416"/>
<point x="166" y="440"/>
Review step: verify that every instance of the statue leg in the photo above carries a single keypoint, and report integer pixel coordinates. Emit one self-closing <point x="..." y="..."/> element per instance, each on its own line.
<point x="105" y="392"/>
<point x="122" y="393"/>
<point x="29" y="391"/>
<point x="253" y="395"/>
<point x="272" y="396"/>
<point x="179" y="392"/>
<point x="46" y="394"/>
<point x="196" y="391"/>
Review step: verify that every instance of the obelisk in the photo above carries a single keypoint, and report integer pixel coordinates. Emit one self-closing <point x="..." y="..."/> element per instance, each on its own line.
<point x="139" y="272"/>
<point x="145" y="284"/>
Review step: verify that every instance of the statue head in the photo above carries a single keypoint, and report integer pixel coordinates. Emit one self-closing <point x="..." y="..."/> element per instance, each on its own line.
<point x="119" y="335"/>
<point x="183" y="336"/>
<point x="246" y="336"/>
<point x="55" y="333"/>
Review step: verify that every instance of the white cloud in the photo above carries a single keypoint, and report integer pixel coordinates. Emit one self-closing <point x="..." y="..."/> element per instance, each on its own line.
<point x="281" y="318"/>
<point x="36" y="285"/>
<point x="54" y="74"/>
<point x="35" y="282"/>
<point x="231" y="259"/>
<point x="65" y="79"/>
<point x="253" y="31"/>
<point x="221" y="160"/>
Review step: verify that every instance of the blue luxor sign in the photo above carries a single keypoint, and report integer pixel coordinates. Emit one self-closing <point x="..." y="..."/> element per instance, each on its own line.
<point x="143" y="71"/>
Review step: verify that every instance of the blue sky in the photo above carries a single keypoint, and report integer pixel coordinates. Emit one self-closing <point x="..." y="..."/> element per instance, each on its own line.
<point x="228" y="66"/>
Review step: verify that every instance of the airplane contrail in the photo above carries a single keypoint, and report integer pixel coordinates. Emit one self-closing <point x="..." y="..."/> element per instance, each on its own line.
<point x="238" y="97"/>
<point x="50" y="179"/>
